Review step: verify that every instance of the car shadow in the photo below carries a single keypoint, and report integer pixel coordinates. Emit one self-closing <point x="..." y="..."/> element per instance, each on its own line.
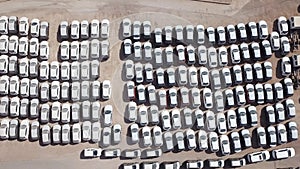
<point x="263" y="117"/>
<point x="278" y="70"/>
<point x="254" y="139"/>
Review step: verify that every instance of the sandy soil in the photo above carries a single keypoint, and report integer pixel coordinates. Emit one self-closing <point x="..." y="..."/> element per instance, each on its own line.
<point x="31" y="155"/>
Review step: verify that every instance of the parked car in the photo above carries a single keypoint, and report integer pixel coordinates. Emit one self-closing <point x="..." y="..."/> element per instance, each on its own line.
<point x="283" y="26"/>
<point x="285" y="45"/>
<point x="237" y="74"/>
<point x="157" y="136"/>
<point x="202" y="55"/>
<point x="196" y="101"/>
<point x="282" y="134"/>
<point x="292" y="131"/>
<point x="200" y="34"/>
<point x="289" y="86"/>
<point x="46" y="138"/>
<point x="258" y="156"/>
<point x="210" y="121"/>
<point x="106" y="136"/>
<point x="147" y="140"/>
<point x="240" y="95"/>
<point x="211" y="35"/>
<point x="168" y="141"/>
<point x="283" y="153"/>
<point x="216" y="80"/>
<point x="272" y="136"/>
<point x="212" y="57"/>
<point x="214" y="141"/>
<point x="223" y="56"/>
<point x="246" y="138"/>
<point x="221" y="35"/>
<point x="242" y="115"/>
<point x="261" y="134"/>
<point x="237" y="162"/>
<point x="235" y="138"/>
<point x="253" y="30"/>
<point x="242" y="33"/>
<point x="134" y="132"/>
<point x="275" y="41"/>
<point x="166" y="121"/>
<point x="143" y="116"/>
<point x="278" y="90"/>
<point x="225" y="144"/>
<point x="244" y="49"/>
<point x="280" y="112"/>
<point x="207" y="97"/>
<point x="231" y="119"/>
<point x="263" y="29"/>
<point x="231" y="33"/>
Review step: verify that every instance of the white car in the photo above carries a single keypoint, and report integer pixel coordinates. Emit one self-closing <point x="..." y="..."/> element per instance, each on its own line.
<point x="204" y="76"/>
<point x="272" y="136"/>
<point x="219" y="101"/>
<point x="12" y="24"/>
<point x="171" y="76"/>
<point x="200" y="34"/>
<point x="158" y="57"/>
<point x="4" y="106"/>
<point x="56" y="134"/>
<point x="207" y="97"/>
<point x="147" y="140"/>
<point x="95" y="49"/>
<point x="130" y="89"/>
<point x="292" y="130"/>
<point x="4" y="64"/>
<point x="216" y="80"/>
<point x="282" y="25"/>
<point x="157" y="136"/>
<point x="184" y="93"/>
<point x="179" y="137"/>
<point x="166" y="120"/>
<point x="221" y="121"/>
<point x="253" y="30"/>
<point x="240" y="95"/>
<point x="258" y="156"/>
<point x="4" y="44"/>
<point x="95" y="29"/>
<point x="231" y="119"/>
<point x="191" y="56"/>
<point x="13" y="85"/>
<point x="76" y="133"/>
<point x="3" y="25"/>
<point x="193" y="77"/>
<point x="13" y="44"/>
<point x="191" y="139"/>
<point x="129" y="69"/>
<point x="278" y="89"/>
<point x="44" y="70"/>
<point x="256" y="50"/>
<point x="34" y="47"/>
<point x="95" y="136"/>
<point x="65" y="48"/>
<point x="231" y="33"/>
<point x="289" y="86"/>
<point x="270" y="114"/>
<point x="34" y="108"/>
<point x="116" y="130"/>
<point x="143" y="116"/>
<point x="64" y="30"/>
<point x="223" y="56"/>
<point x="168" y="141"/>
<point x="210" y="121"/>
<point x="149" y="72"/>
<point x="162" y="97"/>
<point x="107" y="115"/>
<point x="44" y="50"/>
<point x="75" y="26"/>
<point x="282" y="134"/>
<point x="280" y="112"/>
<point x="266" y="48"/>
<point x="268" y="92"/>
<point x="158" y="35"/>
<point x="106" y="89"/>
<point x="237" y="73"/>
<point x="35" y="130"/>
<point x="86" y="130"/>
<point x="23" y="46"/>
<point x="180" y="53"/>
<point x="242" y="31"/>
<point x="245" y="53"/>
<point x="55" y="111"/>
<point x="227" y="77"/>
<point x="12" y="65"/>
<point x="24" y="130"/>
<point x="199" y="117"/>
<point x="253" y="115"/>
<point x="261" y="136"/>
<point x="134" y="132"/>
<point x="286" y="66"/>
<point x="35" y="28"/>
<point x="283" y="153"/>
<point x="246" y="138"/>
<point x="24" y="87"/>
<point x="104" y="28"/>
<point x="44" y="30"/>
<point x="168" y="34"/>
<point x="23" y="26"/>
<point x="136" y="32"/>
<point x="182" y="75"/>
<point x="33" y="67"/>
<point x="139" y="76"/>
<point x="275" y="41"/>
<point x="229" y="98"/>
<point x="285" y="45"/>
<point x="45" y="113"/>
<point x="148" y="52"/>
<point x="154" y="115"/>
<point x="242" y="116"/>
<point x="4" y="85"/>
<point x="173" y="97"/>
<point x="235" y="54"/>
<point x="260" y="93"/>
<point x="235" y="137"/>
<point x="202" y="140"/>
<point x="85" y="90"/>
<point x="263" y="29"/>
<point x="221" y="35"/>
<point x="248" y="73"/>
<point x="65" y="134"/>
<point x="214" y="141"/>
<point x="141" y="93"/>
<point x="212" y="57"/>
<point x="46" y="135"/>
<point x="85" y="49"/>
<point x="147" y="29"/>
<point x="179" y="33"/>
<point x="290" y="108"/>
<point x="202" y="55"/>
<point x="224" y="144"/>
<point x="14" y="107"/>
<point x="268" y="70"/>
<point x="23" y="67"/>
<point x="106" y="136"/>
<point x="65" y="113"/>
<point x="189" y="33"/>
<point x="196" y="100"/>
<point x="188" y="118"/>
<point x="211" y="35"/>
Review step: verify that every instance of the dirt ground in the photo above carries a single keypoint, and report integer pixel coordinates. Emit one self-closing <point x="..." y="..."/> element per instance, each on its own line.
<point x="30" y="155"/>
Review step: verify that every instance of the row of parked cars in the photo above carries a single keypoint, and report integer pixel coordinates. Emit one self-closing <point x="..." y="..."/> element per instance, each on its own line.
<point x="211" y="56"/>
<point x="45" y="71"/>
<point x="13" y="25"/>
<point x="204" y="77"/>
<point x="218" y="100"/>
<point x="55" y="91"/>
<point x="189" y="34"/>
<point x="254" y="157"/>
<point x="59" y="134"/>
<point x="23" y="47"/>
<point x="84" y="30"/>
<point x="187" y="118"/>
<point x="84" y="50"/>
